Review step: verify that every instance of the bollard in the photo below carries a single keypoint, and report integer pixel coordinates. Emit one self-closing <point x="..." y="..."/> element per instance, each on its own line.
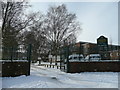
<point x="64" y="67"/>
<point x="60" y="67"/>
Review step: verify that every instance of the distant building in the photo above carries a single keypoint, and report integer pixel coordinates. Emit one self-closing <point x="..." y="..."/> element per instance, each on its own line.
<point x="90" y="48"/>
<point x="102" y="47"/>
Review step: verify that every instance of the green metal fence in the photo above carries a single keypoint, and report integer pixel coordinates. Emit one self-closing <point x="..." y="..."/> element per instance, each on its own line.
<point x="13" y="54"/>
<point x="16" y="53"/>
<point x="66" y="51"/>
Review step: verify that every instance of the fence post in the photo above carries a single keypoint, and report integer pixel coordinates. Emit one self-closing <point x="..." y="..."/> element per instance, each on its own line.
<point x="60" y="60"/>
<point x="29" y="58"/>
<point x="11" y="54"/>
<point x="79" y="51"/>
<point x="67" y="58"/>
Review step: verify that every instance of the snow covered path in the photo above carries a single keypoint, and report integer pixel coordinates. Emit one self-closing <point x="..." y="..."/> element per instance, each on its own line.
<point x="42" y="77"/>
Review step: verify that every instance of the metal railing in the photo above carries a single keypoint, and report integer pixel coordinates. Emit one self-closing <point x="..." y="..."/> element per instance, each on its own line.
<point x="15" y="53"/>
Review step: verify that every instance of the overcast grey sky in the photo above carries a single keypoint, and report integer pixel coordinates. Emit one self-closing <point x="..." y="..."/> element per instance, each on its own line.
<point x="96" y="18"/>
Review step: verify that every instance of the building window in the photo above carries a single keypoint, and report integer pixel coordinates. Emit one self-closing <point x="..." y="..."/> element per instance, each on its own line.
<point x="117" y="54"/>
<point x="105" y="55"/>
<point x="111" y="54"/>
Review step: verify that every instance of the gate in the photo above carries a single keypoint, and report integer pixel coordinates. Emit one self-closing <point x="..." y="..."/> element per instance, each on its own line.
<point x="73" y="66"/>
<point x="65" y="51"/>
<point x="16" y="59"/>
<point x="16" y="53"/>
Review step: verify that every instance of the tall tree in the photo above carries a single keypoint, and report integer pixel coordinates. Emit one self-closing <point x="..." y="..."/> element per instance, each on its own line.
<point x="60" y="25"/>
<point x="13" y="22"/>
<point x="35" y="36"/>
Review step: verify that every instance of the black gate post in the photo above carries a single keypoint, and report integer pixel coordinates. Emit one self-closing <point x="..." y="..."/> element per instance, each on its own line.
<point x="67" y="51"/>
<point x="11" y="54"/>
<point x="60" y="59"/>
<point x="29" y="58"/>
<point x="79" y="52"/>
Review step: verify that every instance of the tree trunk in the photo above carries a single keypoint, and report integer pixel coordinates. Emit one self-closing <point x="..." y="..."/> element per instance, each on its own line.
<point x="5" y="16"/>
<point x="55" y="59"/>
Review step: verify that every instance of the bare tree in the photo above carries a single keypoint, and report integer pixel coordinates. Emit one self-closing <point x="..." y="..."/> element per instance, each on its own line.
<point x="13" y="21"/>
<point x="36" y="36"/>
<point x="60" y="25"/>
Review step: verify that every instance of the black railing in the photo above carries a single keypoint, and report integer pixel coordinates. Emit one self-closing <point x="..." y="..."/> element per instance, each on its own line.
<point x="16" y="53"/>
<point x="105" y="56"/>
<point x="18" y="57"/>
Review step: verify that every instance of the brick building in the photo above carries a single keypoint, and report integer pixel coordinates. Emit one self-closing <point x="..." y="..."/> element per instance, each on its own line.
<point x="107" y="52"/>
<point x="101" y="47"/>
<point x="90" y="48"/>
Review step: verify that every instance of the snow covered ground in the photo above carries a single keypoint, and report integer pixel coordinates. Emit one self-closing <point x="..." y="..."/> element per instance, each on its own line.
<point x="42" y="77"/>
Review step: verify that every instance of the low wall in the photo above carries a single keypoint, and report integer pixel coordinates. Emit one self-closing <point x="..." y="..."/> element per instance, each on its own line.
<point x="12" y="69"/>
<point x="76" y="67"/>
